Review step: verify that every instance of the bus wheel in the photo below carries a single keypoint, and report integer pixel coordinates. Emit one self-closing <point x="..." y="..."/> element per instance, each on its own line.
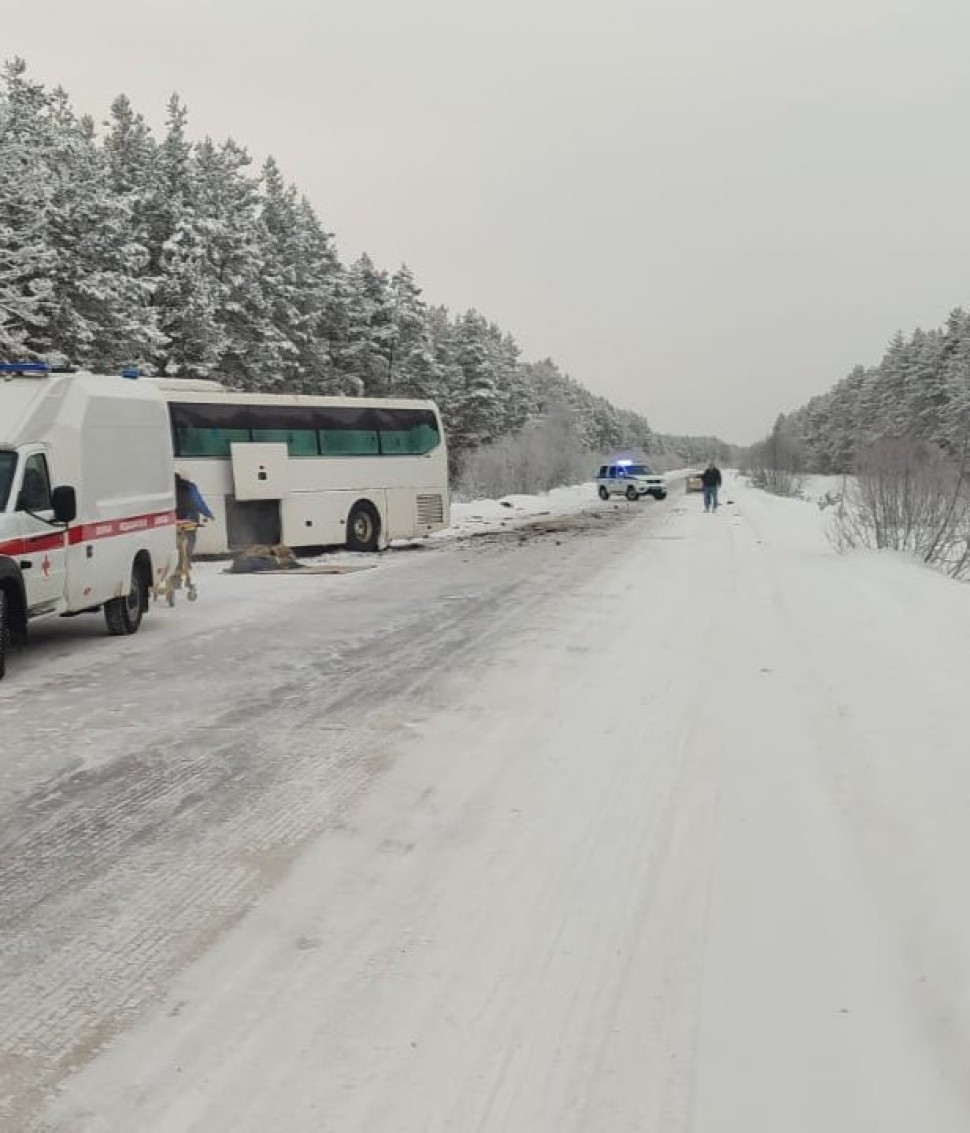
<point x="363" y="528"/>
<point x="123" y="615"/>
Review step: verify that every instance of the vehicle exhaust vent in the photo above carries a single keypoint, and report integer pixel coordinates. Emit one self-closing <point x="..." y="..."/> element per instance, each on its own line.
<point x="431" y="510"/>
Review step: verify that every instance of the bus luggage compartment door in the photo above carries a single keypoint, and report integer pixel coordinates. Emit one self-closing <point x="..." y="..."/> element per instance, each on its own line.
<point x="260" y="471"/>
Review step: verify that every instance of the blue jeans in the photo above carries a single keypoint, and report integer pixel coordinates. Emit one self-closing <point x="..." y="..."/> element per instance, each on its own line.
<point x="710" y="497"/>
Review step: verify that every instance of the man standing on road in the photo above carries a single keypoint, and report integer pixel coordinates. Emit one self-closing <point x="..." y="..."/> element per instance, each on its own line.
<point x="711" y="479"/>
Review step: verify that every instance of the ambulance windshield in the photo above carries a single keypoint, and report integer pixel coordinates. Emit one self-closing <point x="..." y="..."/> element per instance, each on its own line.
<point x="8" y="465"/>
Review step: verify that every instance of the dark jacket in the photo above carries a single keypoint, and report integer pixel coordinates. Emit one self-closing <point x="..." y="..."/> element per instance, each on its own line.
<point x="711" y="477"/>
<point x="189" y="504"/>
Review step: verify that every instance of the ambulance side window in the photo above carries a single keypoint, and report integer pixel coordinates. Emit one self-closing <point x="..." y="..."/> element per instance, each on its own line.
<point x="35" y="491"/>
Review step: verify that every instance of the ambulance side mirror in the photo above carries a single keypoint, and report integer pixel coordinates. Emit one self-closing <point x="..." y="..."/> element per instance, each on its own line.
<point x="64" y="503"/>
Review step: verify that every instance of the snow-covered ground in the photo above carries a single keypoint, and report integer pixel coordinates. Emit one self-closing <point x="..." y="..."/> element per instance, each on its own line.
<point x="656" y="822"/>
<point x="472" y="517"/>
<point x="227" y="602"/>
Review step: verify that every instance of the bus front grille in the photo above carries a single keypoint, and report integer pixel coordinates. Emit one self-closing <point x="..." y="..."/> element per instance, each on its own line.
<point x="431" y="511"/>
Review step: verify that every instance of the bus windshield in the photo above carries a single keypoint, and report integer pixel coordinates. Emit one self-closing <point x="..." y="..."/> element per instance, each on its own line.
<point x="8" y="465"/>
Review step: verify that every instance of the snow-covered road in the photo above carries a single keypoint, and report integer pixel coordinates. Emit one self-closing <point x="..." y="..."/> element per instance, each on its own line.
<point x="651" y="825"/>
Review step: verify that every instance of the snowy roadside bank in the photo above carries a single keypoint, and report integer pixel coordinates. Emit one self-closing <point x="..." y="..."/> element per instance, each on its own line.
<point x="473" y="517"/>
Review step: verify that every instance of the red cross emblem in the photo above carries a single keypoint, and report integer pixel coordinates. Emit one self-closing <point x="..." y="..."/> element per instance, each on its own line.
<point x="45" y="566"/>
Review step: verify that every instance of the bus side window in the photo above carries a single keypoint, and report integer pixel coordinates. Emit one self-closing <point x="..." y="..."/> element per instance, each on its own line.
<point x="349" y="442"/>
<point x="194" y="441"/>
<point x="299" y="442"/>
<point x="396" y="441"/>
<point x="425" y="438"/>
<point x="416" y="441"/>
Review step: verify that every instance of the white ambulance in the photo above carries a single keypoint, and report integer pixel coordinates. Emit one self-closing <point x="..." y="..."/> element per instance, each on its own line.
<point x="87" y="498"/>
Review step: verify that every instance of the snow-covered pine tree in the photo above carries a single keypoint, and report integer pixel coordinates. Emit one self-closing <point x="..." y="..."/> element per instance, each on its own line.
<point x="27" y="261"/>
<point x="955" y="377"/>
<point x="303" y="289"/>
<point x="891" y="402"/>
<point x="504" y="365"/>
<point x="186" y="298"/>
<point x="320" y="301"/>
<point x="477" y="410"/>
<point x="519" y="399"/>
<point x="412" y="367"/>
<point x="925" y="394"/>
<point x="101" y="316"/>
<point x="227" y="211"/>
<point x="369" y="340"/>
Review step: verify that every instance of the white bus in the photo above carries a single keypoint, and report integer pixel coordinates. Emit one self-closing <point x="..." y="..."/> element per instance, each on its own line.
<point x="308" y="471"/>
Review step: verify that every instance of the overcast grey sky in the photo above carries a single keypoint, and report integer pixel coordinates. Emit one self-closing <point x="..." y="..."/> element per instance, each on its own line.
<point x="707" y="210"/>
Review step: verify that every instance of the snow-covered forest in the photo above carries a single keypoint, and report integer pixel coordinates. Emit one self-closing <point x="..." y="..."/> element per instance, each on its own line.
<point x="920" y="391"/>
<point x="120" y="248"/>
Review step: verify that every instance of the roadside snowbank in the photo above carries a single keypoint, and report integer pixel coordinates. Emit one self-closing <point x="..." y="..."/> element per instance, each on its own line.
<point x="476" y="516"/>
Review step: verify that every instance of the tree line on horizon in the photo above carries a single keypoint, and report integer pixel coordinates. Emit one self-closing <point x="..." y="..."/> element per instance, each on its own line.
<point x="120" y="249"/>
<point x="919" y="392"/>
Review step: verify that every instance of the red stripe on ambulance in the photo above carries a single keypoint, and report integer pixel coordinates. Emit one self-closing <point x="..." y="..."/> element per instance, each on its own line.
<point x="31" y="544"/>
<point x="87" y="533"/>
<point x="108" y="528"/>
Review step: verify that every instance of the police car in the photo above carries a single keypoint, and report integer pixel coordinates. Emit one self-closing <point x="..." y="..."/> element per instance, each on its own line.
<point x="630" y="479"/>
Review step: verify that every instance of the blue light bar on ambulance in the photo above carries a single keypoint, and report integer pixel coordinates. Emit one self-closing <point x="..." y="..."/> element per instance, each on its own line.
<point x="24" y="368"/>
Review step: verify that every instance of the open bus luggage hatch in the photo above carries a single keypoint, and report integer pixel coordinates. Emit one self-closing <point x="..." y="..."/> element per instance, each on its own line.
<point x="260" y="471"/>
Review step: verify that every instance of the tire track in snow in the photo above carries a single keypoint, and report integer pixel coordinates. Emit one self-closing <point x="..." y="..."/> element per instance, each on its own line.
<point x="510" y="934"/>
<point x="114" y="878"/>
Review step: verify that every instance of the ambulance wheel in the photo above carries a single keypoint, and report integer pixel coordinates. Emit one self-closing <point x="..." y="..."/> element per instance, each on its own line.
<point x="604" y="493"/>
<point x="632" y="494"/>
<point x="123" y="615"/>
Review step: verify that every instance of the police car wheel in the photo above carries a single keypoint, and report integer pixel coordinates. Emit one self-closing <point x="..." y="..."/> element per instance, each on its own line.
<point x="632" y="494"/>
<point x="604" y="493"/>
